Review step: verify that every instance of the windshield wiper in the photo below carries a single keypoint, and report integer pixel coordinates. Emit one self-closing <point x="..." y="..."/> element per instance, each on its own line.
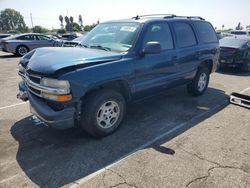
<point x="83" y="45"/>
<point x="101" y="47"/>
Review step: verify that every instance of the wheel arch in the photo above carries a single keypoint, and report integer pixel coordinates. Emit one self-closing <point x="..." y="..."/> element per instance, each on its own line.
<point x="120" y="86"/>
<point x="207" y="63"/>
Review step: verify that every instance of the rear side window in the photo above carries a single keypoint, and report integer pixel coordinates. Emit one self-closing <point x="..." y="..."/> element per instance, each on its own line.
<point x="27" y="37"/>
<point x="239" y="32"/>
<point x="206" y="32"/>
<point x="161" y="33"/>
<point x="184" y="35"/>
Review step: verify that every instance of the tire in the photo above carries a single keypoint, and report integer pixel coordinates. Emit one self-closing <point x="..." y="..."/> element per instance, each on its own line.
<point x="102" y="112"/>
<point x="22" y="50"/>
<point x="199" y="84"/>
<point x="245" y="67"/>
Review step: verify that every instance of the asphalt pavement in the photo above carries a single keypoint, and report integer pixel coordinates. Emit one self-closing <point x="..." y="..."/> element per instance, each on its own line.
<point x="172" y="140"/>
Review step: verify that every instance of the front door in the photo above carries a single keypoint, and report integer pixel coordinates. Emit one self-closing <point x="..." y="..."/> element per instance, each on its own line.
<point x="156" y="71"/>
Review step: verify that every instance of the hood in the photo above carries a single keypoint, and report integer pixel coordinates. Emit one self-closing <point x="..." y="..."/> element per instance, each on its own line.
<point x="49" y="60"/>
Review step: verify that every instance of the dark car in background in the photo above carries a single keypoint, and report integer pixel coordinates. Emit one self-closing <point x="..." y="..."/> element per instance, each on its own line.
<point x="235" y="52"/>
<point x="22" y="44"/>
<point x="71" y="36"/>
<point x="74" y="42"/>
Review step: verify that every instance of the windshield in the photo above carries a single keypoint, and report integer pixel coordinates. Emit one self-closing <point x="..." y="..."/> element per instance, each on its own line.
<point x="117" y="37"/>
<point x="232" y="42"/>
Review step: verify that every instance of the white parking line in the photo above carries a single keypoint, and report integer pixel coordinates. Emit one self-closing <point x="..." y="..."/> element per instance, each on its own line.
<point x="13" y="105"/>
<point x="244" y="90"/>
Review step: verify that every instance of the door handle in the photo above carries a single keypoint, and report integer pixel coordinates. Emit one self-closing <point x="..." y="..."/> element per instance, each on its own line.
<point x="174" y="58"/>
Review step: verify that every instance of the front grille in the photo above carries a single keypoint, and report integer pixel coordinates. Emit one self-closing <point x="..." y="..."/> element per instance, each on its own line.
<point x="34" y="78"/>
<point x="35" y="91"/>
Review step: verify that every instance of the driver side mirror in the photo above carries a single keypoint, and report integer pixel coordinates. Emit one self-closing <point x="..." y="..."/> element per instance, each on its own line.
<point x="152" y="48"/>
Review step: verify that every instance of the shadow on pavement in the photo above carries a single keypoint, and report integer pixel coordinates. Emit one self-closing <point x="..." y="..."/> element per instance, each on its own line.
<point x="8" y="56"/>
<point x="54" y="158"/>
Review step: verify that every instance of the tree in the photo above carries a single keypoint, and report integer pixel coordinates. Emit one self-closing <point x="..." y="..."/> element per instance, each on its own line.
<point x="11" y="19"/>
<point x="89" y="27"/>
<point x="80" y="22"/>
<point x="67" y="26"/>
<point x="39" y="29"/>
<point x="76" y="27"/>
<point x="239" y="27"/>
<point x="223" y="27"/>
<point x="248" y="27"/>
<point x="61" y="20"/>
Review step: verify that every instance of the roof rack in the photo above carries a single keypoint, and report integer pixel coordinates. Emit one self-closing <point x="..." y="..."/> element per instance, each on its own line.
<point x="152" y="15"/>
<point x="167" y="16"/>
<point x="188" y="17"/>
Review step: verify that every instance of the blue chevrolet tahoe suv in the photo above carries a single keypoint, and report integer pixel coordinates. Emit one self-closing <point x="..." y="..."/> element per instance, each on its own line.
<point x="117" y="62"/>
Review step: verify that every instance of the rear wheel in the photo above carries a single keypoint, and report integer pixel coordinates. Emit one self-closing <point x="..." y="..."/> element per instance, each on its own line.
<point x="199" y="84"/>
<point x="102" y="112"/>
<point x="22" y="50"/>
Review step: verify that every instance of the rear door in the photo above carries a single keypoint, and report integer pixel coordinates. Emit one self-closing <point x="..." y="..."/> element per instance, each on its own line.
<point x="155" y="71"/>
<point x="44" y="41"/>
<point x="188" y="51"/>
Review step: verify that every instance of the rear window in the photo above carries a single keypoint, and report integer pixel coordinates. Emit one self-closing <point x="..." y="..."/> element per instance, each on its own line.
<point x="232" y="42"/>
<point x="239" y="32"/>
<point x="26" y="37"/>
<point x="205" y="32"/>
<point x="184" y="35"/>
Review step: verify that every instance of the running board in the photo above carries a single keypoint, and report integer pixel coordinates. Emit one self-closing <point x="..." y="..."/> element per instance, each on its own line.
<point x="240" y="99"/>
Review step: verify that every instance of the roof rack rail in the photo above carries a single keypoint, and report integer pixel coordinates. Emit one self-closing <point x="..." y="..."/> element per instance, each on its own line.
<point x="167" y="16"/>
<point x="188" y="17"/>
<point x="152" y="15"/>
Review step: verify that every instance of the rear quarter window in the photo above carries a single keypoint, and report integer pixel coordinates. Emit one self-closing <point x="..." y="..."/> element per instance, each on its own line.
<point x="184" y="35"/>
<point x="205" y="32"/>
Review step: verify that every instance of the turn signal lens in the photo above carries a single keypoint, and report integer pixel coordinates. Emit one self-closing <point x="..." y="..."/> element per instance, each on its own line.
<point x="64" y="98"/>
<point x="59" y="98"/>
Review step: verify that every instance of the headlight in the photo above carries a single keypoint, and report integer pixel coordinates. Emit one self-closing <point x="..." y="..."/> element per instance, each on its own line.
<point x="56" y="90"/>
<point x="60" y="84"/>
<point x="21" y="68"/>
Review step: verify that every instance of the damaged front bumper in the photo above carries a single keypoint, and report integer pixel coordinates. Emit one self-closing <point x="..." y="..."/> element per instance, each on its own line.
<point x="59" y="119"/>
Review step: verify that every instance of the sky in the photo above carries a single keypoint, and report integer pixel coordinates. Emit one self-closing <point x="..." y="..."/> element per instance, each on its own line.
<point x="46" y="12"/>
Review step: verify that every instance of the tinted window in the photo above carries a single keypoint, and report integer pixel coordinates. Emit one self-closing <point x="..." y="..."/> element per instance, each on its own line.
<point x="206" y="32"/>
<point x="161" y="33"/>
<point x="42" y="37"/>
<point x="26" y="37"/>
<point x="184" y="35"/>
<point x="238" y="32"/>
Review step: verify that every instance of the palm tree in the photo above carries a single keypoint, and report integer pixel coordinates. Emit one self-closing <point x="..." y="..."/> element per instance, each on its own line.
<point x="71" y="19"/>
<point x="80" y="22"/>
<point x="61" y="20"/>
<point x="67" y="27"/>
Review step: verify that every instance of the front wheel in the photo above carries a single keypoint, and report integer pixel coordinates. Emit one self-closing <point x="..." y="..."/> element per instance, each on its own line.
<point x="102" y="112"/>
<point x="199" y="84"/>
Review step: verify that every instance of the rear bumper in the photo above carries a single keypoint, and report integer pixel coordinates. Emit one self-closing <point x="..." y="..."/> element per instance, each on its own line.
<point x="62" y="119"/>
